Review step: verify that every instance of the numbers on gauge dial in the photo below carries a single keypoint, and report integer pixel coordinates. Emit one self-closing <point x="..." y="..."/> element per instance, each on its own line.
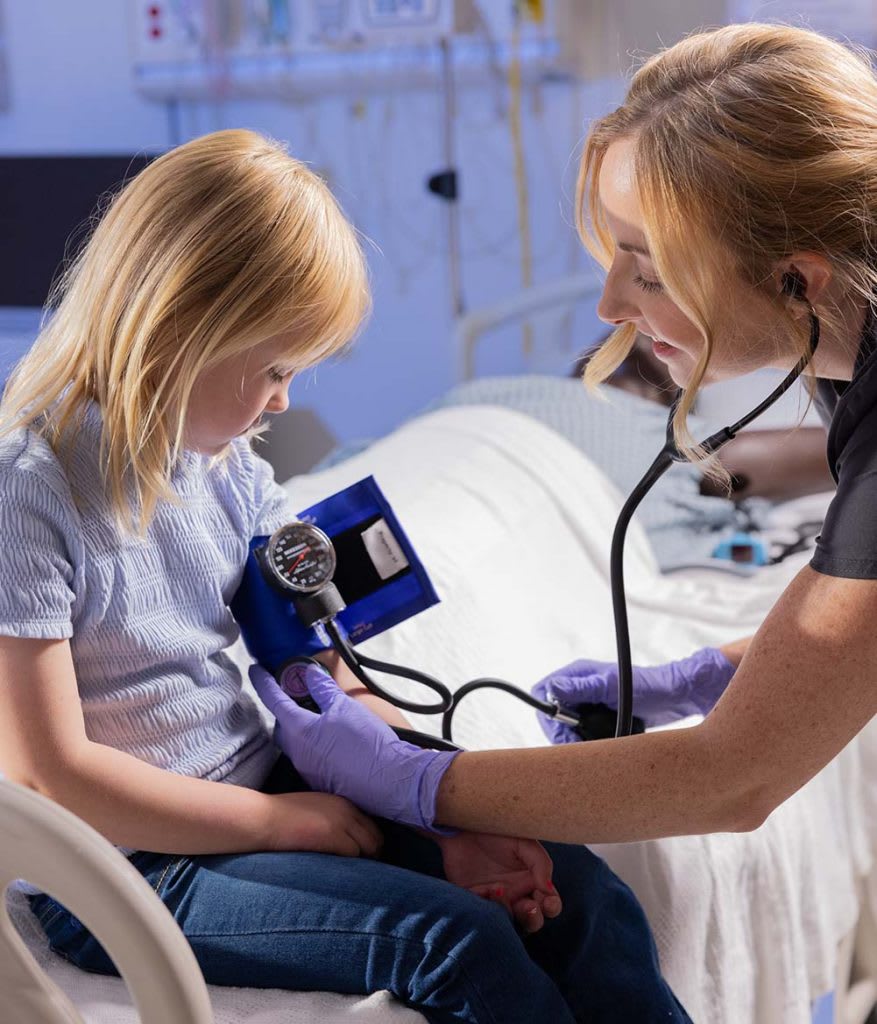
<point x="301" y="556"/>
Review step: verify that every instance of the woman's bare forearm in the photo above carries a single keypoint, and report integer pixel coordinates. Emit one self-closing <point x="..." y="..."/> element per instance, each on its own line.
<point x="617" y="790"/>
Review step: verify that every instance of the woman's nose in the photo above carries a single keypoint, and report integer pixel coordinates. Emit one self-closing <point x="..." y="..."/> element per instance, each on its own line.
<point x="615" y="306"/>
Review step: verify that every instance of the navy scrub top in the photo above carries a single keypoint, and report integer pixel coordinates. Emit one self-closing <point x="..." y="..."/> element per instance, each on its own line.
<point x="847" y="545"/>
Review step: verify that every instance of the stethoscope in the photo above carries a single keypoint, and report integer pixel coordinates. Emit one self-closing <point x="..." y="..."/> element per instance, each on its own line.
<point x="300" y="559"/>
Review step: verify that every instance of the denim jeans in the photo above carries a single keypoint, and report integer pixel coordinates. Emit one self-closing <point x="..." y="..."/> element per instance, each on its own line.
<point x="309" y="921"/>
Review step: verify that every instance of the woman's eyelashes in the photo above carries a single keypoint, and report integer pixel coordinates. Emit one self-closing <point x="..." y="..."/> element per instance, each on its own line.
<point x="646" y="285"/>
<point x="277" y="376"/>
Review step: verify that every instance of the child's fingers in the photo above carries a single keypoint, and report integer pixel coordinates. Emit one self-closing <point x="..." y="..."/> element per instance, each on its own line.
<point x="494" y="893"/>
<point x="552" y="904"/>
<point x="367" y="835"/>
<point x="536" y="859"/>
<point x="527" y="911"/>
<point x="528" y="915"/>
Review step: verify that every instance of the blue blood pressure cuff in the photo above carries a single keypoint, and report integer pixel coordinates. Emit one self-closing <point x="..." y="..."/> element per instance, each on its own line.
<point x="378" y="574"/>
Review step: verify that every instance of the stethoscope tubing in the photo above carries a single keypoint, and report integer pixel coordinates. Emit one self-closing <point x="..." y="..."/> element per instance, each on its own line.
<point x="669" y="454"/>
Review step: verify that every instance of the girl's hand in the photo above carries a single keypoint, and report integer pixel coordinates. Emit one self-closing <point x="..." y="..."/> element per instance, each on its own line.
<point x="322" y="823"/>
<point x="513" y="872"/>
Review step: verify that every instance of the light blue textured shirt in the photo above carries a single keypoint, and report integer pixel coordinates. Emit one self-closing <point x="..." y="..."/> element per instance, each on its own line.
<point x="148" y="619"/>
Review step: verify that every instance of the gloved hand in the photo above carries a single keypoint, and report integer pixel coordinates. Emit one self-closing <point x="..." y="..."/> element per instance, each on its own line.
<point x="349" y="751"/>
<point x="661" y="693"/>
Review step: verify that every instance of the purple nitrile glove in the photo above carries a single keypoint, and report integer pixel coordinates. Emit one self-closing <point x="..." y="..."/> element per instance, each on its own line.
<point x="661" y="693"/>
<point x="349" y="751"/>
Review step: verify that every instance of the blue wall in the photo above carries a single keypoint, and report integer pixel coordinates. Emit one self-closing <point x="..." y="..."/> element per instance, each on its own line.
<point x="72" y="91"/>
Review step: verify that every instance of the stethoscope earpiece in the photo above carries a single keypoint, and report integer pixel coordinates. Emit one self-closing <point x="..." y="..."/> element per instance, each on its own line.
<point x="794" y="284"/>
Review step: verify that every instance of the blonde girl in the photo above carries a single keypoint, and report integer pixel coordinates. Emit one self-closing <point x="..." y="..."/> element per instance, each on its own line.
<point x="128" y="495"/>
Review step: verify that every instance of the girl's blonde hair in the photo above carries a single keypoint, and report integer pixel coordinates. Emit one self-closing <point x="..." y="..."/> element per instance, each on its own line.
<point x="219" y="244"/>
<point x="751" y="142"/>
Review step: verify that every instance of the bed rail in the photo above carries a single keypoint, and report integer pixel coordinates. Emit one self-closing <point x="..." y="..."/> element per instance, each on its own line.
<point x="61" y="855"/>
<point x="561" y="292"/>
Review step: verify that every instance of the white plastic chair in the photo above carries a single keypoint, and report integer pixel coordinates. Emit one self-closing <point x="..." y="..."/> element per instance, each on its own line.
<point x="69" y="860"/>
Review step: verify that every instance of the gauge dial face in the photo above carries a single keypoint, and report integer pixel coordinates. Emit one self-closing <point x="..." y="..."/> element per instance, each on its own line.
<point x="301" y="557"/>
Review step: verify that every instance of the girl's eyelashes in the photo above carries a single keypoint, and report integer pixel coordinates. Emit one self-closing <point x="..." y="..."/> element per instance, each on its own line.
<point x="275" y="375"/>
<point x="646" y="285"/>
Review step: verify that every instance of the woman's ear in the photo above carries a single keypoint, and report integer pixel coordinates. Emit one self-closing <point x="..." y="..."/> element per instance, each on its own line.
<point x="804" y="277"/>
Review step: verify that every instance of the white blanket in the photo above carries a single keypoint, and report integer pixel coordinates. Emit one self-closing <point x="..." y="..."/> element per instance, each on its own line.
<point x="513" y="525"/>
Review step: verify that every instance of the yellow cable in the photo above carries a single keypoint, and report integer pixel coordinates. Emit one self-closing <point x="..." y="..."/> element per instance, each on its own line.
<point x="533" y="9"/>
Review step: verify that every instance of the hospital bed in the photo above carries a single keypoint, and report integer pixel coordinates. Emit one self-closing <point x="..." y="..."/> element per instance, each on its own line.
<point x="751" y="929"/>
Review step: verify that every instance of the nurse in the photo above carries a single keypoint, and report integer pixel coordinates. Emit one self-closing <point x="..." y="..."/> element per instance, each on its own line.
<point x="734" y="191"/>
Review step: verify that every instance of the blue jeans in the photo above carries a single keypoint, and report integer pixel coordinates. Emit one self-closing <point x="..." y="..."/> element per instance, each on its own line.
<point x="310" y="921"/>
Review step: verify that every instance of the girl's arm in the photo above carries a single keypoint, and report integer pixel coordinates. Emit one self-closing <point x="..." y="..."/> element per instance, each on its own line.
<point x="805" y="686"/>
<point x="43" y="745"/>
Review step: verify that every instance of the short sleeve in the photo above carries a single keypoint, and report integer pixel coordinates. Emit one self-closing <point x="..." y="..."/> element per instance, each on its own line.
<point x="39" y="533"/>
<point x="847" y="545"/>
<point x="273" y="504"/>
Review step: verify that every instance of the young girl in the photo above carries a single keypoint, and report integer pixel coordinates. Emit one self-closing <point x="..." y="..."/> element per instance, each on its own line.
<point x="128" y="495"/>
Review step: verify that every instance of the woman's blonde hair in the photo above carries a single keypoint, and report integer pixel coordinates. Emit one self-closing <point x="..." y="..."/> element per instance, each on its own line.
<point x="216" y="246"/>
<point x="750" y="142"/>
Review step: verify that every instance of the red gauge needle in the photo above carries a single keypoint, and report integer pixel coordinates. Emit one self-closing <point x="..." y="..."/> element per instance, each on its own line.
<point x="300" y="557"/>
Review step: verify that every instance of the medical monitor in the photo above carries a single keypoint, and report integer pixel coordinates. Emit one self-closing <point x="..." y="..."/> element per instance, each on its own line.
<point x="45" y="206"/>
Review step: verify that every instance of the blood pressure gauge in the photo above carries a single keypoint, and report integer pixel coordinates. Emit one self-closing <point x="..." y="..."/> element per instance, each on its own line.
<point x="301" y="557"/>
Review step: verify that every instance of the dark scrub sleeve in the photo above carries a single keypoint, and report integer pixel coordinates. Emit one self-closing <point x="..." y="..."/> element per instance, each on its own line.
<point x="847" y="545"/>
